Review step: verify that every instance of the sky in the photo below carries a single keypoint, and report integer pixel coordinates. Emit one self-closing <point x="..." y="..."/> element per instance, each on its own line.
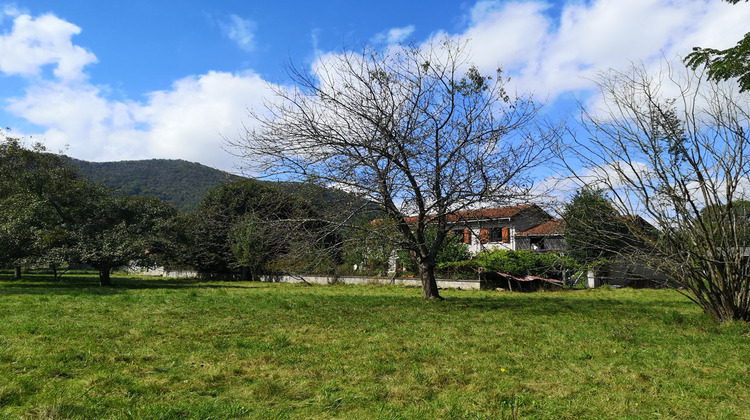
<point x="141" y="79"/>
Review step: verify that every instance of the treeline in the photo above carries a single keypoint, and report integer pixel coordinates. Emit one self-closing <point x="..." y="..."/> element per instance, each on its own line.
<point x="52" y="215"/>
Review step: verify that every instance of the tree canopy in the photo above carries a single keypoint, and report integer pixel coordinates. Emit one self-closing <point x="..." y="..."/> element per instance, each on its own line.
<point x="50" y="214"/>
<point x="245" y="225"/>
<point x="594" y="230"/>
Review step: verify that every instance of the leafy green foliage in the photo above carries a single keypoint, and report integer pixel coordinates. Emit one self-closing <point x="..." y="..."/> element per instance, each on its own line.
<point x="452" y="250"/>
<point x="593" y="228"/>
<point x="725" y="64"/>
<point x="369" y="245"/>
<point x="244" y="224"/>
<point x="117" y="231"/>
<point x="37" y="193"/>
<point x="514" y="263"/>
<point x="51" y="215"/>
<point x="523" y="263"/>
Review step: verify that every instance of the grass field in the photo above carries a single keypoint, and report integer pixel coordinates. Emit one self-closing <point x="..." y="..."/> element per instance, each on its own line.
<point x="175" y="349"/>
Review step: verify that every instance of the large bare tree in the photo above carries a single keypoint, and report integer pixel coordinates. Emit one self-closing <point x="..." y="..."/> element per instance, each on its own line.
<point x="415" y="129"/>
<point x="673" y="150"/>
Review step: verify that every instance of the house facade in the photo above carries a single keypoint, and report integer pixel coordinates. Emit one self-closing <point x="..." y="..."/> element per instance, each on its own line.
<point x="522" y="227"/>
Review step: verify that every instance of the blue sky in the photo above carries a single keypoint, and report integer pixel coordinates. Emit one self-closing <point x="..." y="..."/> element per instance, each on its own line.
<point x="155" y="79"/>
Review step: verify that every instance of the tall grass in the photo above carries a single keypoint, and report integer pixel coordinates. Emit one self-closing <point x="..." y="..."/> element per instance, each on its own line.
<point x="163" y="349"/>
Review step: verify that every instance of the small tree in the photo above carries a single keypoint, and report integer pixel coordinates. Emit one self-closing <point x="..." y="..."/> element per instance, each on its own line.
<point x="674" y="151"/>
<point x="416" y="130"/>
<point x="594" y="230"/>
<point x="245" y="225"/>
<point x="112" y="231"/>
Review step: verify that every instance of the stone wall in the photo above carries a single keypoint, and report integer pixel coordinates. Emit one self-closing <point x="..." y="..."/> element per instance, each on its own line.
<point x="415" y="282"/>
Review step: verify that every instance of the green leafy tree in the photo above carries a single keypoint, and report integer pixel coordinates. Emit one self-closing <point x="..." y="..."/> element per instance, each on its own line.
<point x="244" y="225"/>
<point x="256" y="242"/>
<point x="112" y="232"/>
<point x="725" y="64"/>
<point x="17" y="231"/>
<point x="370" y="244"/>
<point x="594" y="230"/>
<point x="51" y="214"/>
<point x="37" y="193"/>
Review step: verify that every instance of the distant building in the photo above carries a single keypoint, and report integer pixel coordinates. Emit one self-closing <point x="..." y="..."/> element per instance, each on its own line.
<point x="522" y="227"/>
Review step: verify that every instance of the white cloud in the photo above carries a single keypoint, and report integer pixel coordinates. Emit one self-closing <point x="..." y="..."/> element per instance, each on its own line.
<point x="186" y="122"/>
<point x="241" y="31"/>
<point x="393" y="35"/>
<point x="507" y="36"/>
<point x="46" y="40"/>
<point x="70" y="113"/>
<point x="189" y="120"/>
<point x="550" y="55"/>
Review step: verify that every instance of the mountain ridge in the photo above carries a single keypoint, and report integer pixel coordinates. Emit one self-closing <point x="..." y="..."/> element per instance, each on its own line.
<point x="175" y="181"/>
<point x="184" y="184"/>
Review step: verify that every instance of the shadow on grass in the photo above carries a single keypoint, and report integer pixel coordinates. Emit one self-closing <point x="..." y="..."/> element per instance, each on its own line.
<point x="565" y="303"/>
<point x="89" y="284"/>
<point x="560" y="303"/>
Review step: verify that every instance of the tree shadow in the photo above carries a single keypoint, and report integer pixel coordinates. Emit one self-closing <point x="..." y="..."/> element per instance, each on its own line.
<point x="574" y="303"/>
<point x="88" y="284"/>
<point x="555" y="303"/>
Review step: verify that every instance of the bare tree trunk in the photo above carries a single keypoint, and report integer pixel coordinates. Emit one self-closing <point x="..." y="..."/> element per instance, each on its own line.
<point x="429" y="285"/>
<point x="17" y="272"/>
<point x="104" y="277"/>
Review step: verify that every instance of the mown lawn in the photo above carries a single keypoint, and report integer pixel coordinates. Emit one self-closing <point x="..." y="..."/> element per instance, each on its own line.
<point x="174" y="349"/>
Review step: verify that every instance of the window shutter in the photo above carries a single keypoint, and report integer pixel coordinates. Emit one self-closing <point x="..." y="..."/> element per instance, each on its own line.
<point x="506" y="234"/>
<point x="467" y="236"/>
<point x="484" y="235"/>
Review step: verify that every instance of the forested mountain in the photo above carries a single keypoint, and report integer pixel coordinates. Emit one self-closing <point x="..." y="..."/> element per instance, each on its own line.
<point x="177" y="182"/>
<point x="184" y="184"/>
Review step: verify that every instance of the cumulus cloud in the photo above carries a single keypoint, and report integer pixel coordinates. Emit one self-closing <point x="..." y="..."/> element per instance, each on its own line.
<point x="241" y="31"/>
<point x="190" y="119"/>
<point x="187" y="121"/>
<point x="34" y="43"/>
<point x="393" y="35"/>
<point x="551" y="54"/>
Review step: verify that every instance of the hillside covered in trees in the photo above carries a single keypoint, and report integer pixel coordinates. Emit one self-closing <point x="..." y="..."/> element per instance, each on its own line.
<point x="177" y="182"/>
<point x="184" y="184"/>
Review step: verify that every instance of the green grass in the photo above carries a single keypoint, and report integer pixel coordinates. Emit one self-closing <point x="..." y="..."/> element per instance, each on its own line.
<point x="175" y="349"/>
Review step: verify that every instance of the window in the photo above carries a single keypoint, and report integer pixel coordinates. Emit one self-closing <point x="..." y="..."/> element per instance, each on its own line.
<point x="500" y="234"/>
<point x="464" y="235"/>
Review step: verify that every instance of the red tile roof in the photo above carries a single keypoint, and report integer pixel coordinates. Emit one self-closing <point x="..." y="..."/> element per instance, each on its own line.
<point x="552" y="227"/>
<point x="481" y="214"/>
